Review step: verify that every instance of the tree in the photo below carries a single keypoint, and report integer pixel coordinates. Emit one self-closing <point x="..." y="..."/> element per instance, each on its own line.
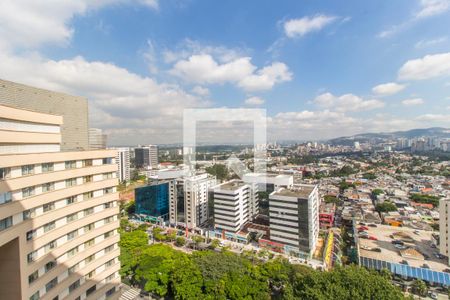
<point x="132" y="244"/>
<point x="180" y="241"/>
<point x="157" y="235"/>
<point x="386" y="206"/>
<point x="369" y="176"/>
<point x="220" y="171"/>
<point x="171" y="236"/>
<point x="214" y="243"/>
<point x="428" y="199"/>
<point x="330" y="199"/>
<point x="419" y="287"/>
<point x="376" y="192"/>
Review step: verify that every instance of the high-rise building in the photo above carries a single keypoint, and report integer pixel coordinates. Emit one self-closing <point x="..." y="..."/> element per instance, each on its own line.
<point x="58" y="210"/>
<point x="294" y="217"/>
<point x="231" y="200"/>
<point x="97" y="139"/>
<point x="73" y="109"/>
<point x="259" y="182"/>
<point x="123" y="164"/>
<point x="153" y="200"/>
<point x="195" y="197"/>
<point x="444" y="227"/>
<point x="146" y="157"/>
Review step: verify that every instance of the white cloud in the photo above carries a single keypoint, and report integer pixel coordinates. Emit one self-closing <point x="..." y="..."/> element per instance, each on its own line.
<point x="254" y="101"/>
<point x="426" y="67"/>
<point x="389" y="88"/>
<point x="201" y="91"/>
<point x="204" y="69"/>
<point x="119" y="101"/>
<point x="429" y="43"/>
<point x="29" y="23"/>
<point x="412" y="102"/>
<point x="300" y="27"/>
<point x="434" y="118"/>
<point x="347" y="102"/>
<point x="429" y="8"/>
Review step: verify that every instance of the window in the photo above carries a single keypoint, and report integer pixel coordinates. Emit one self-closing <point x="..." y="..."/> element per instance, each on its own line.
<point x="73" y="268"/>
<point x="50" y="265"/>
<point x="74" y="286"/>
<point x="47" y="167"/>
<point x="71" y="200"/>
<point x="5" y="223"/>
<point x="33" y="277"/>
<point x="90" y="274"/>
<point x="51" y="284"/>
<point x="31" y="256"/>
<point x="50" y="246"/>
<point x="47" y="187"/>
<point x="89" y="259"/>
<point x="109" y="220"/>
<point x="49" y="226"/>
<point x="35" y="296"/>
<point x="29" y="213"/>
<point x="107" y="176"/>
<point x="28" y="192"/>
<point x="107" y="160"/>
<point x="27" y="170"/>
<point x="109" y="248"/>
<point x="87" y="179"/>
<point x="110" y="292"/>
<point x="108" y="205"/>
<point x="88" y="195"/>
<point x="89" y="243"/>
<point x="31" y="234"/>
<point x="5" y="173"/>
<point x="87" y="163"/>
<point x="109" y="263"/>
<point x="91" y="290"/>
<point x="49" y="206"/>
<point x="110" y="277"/>
<point x="71" y="235"/>
<point x="72" y="252"/>
<point x="5" y="197"/>
<point x="108" y="190"/>
<point x="71" y="182"/>
<point x="88" y="227"/>
<point x="72" y="217"/>
<point x="108" y="234"/>
<point x="72" y="164"/>
<point x="88" y="211"/>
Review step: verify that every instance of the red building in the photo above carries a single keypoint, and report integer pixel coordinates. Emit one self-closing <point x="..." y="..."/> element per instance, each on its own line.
<point x="326" y="215"/>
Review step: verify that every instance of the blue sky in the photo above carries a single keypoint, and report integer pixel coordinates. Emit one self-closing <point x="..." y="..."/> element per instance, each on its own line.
<point x="320" y="68"/>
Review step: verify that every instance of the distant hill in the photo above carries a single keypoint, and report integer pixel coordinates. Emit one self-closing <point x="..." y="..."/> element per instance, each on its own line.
<point x="413" y="133"/>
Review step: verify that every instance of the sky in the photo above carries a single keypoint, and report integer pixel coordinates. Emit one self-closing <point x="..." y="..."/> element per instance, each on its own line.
<point x="321" y="69"/>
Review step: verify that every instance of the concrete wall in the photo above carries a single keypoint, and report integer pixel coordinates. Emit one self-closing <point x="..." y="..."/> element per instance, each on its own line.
<point x="73" y="109"/>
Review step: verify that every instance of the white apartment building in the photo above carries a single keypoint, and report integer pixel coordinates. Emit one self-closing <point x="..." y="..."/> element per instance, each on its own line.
<point x="58" y="213"/>
<point x="146" y="157"/>
<point x="294" y="217"/>
<point x="444" y="227"/>
<point x="259" y="182"/>
<point x="231" y="205"/>
<point x="123" y="164"/>
<point x="190" y="207"/>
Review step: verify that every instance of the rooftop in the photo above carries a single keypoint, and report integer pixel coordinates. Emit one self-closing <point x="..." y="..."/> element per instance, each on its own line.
<point x="298" y="191"/>
<point x="419" y="249"/>
<point x="231" y="185"/>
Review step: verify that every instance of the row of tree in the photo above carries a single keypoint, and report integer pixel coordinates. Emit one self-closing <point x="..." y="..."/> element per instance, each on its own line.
<point x="172" y="274"/>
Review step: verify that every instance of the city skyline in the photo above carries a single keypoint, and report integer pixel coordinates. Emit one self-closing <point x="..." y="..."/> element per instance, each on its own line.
<point x="321" y="70"/>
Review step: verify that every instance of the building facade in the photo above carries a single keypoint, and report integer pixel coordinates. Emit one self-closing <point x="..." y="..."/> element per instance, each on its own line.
<point x="97" y="139"/>
<point x="58" y="213"/>
<point x="294" y="217"/>
<point x="146" y="157"/>
<point x="153" y="200"/>
<point x="73" y="109"/>
<point x="123" y="164"/>
<point x="231" y="205"/>
<point x="444" y="227"/>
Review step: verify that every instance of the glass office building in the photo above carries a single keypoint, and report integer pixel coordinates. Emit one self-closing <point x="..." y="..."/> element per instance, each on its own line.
<point x="153" y="200"/>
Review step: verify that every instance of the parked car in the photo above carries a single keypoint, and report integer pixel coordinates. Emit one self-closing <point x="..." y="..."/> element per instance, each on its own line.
<point x="400" y="247"/>
<point x="425" y="266"/>
<point x="363" y="228"/>
<point x="404" y="262"/>
<point x="372" y="225"/>
<point x="373" y="238"/>
<point x="397" y="242"/>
